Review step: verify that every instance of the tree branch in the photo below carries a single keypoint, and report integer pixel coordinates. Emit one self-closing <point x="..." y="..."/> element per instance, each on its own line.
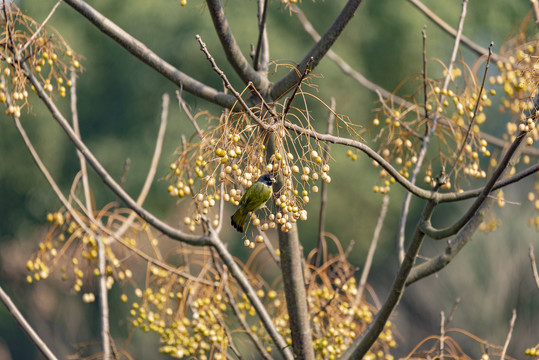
<point x="25" y="326"/>
<point x="231" y="48"/>
<point x="243" y="282"/>
<point x="318" y="51"/>
<point x="502" y="169"/>
<point x="509" y="334"/>
<point x="323" y="190"/>
<point x="347" y="69"/>
<point x="534" y="266"/>
<point x="479" y="50"/>
<point x="372" y="249"/>
<point x="105" y="176"/>
<point x="261" y="56"/>
<point x="363" y="343"/>
<point x="139" y="50"/>
<point x="292" y="262"/>
<point x="429" y="130"/>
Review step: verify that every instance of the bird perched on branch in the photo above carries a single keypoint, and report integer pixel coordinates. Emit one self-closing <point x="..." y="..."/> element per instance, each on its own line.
<point x="254" y="198"/>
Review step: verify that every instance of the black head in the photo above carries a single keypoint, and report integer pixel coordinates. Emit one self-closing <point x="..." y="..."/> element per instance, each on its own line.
<point x="266" y="179"/>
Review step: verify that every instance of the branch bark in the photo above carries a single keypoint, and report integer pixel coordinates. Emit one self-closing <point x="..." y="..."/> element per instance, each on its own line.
<point x="233" y="53"/>
<point x="25" y="326"/>
<point x="363" y="343"/>
<point x="318" y="51"/>
<point x="143" y="53"/>
<point x="292" y="262"/>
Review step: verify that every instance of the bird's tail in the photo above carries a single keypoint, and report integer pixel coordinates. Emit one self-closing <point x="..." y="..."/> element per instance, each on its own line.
<point x="238" y="220"/>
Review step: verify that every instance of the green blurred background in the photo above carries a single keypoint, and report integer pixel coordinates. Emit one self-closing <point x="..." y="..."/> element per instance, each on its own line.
<point x="119" y="109"/>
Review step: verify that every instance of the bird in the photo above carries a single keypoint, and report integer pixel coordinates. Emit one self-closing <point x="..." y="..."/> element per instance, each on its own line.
<point x="254" y="198"/>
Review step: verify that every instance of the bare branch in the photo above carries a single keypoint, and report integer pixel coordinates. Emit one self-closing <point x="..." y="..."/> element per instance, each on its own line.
<point x="442" y="335"/>
<point x="450" y="197"/>
<point x="147" y="56"/>
<point x="245" y="285"/>
<point x="105" y="176"/>
<point x="535" y="8"/>
<point x="470" y="126"/>
<point x="318" y="51"/>
<point x="103" y="300"/>
<point x="223" y="76"/>
<point x="344" y="66"/>
<point x="420" y="158"/>
<point x="502" y="169"/>
<point x="184" y="107"/>
<point x="509" y="334"/>
<point x="25" y="326"/>
<point x="101" y="256"/>
<point x="450" y="30"/>
<point x="261" y="56"/>
<point x="534" y="266"/>
<point x="231" y="48"/>
<point x="452" y="312"/>
<point x="453" y="247"/>
<point x="363" y="343"/>
<point x="347" y="69"/>
<point x="323" y="190"/>
<point x="260" y="347"/>
<point x="372" y="249"/>
<point x="292" y="268"/>
<point x="41" y="26"/>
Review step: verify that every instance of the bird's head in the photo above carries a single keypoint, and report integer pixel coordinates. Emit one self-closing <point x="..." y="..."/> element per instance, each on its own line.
<point x="266" y="179"/>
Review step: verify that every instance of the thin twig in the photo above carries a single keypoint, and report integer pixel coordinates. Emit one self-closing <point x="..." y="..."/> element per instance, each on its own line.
<point x="153" y="165"/>
<point x="432" y="127"/>
<point x="223" y="77"/>
<point x="450" y="30"/>
<point x="103" y="299"/>
<point x="424" y="76"/>
<point x="442" y="334"/>
<point x="509" y="334"/>
<point x="25" y="326"/>
<point x="534" y="266"/>
<point x="472" y="120"/>
<point x="183" y="105"/>
<point x="452" y="312"/>
<point x="370" y="255"/>
<point x="269" y="246"/>
<point x="323" y="190"/>
<point x="41" y="26"/>
<point x="260" y="347"/>
<point x="429" y="130"/>
<point x="392" y="114"/>
<point x="101" y="256"/>
<point x="305" y="72"/>
<point x="372" y="249"/>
